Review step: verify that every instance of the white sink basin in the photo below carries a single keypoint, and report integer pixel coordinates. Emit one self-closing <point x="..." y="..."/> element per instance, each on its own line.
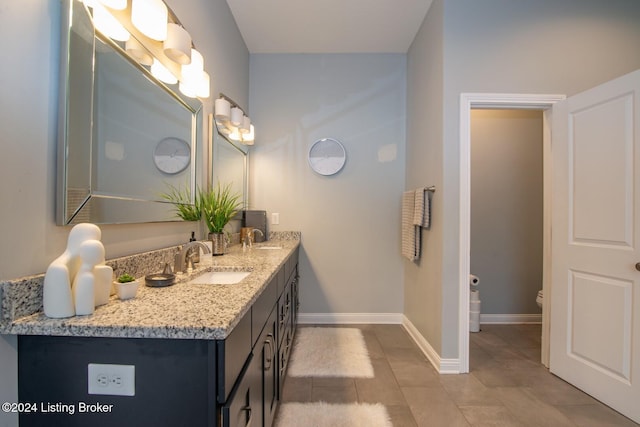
<point x="220" y="278"/>
<point x="269" y="247"/>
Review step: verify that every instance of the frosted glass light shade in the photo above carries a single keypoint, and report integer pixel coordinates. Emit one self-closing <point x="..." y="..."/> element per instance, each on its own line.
<point x="188" y="88"/>
<point x="115" y="4"/>
<point x="237" y="117"/>
<point x="196" y="66"/>
<point x="162" y="73"/>
<point x="108" y="25"/>
<point x="246" y="123"/>
<point x="138" y="52"/>
<point x="195" y="85"/>
<point x="177" y="46"/>
<point x="235" y="135"/>
<point x="249" y="138"/>
<point x="204" y="85"/>
<point x="222" y="110"/>
<point x="150" y="17"/>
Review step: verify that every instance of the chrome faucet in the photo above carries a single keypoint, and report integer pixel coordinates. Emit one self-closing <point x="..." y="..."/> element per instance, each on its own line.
<point x="181" y="263"/>
<point x="249" y="238"/>
<point x="259" y="231"/>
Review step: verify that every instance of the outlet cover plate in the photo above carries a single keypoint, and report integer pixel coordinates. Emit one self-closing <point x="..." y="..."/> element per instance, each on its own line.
<point x="111" y="380"/>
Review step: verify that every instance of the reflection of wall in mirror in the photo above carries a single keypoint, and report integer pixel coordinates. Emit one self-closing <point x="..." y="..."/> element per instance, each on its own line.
<point x="229" y="166"/>
<point x="133" y="116"/>
<point x="79" y="134"/>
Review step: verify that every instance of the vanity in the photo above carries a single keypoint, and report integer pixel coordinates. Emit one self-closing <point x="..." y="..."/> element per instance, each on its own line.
<point x="202" y="354"/>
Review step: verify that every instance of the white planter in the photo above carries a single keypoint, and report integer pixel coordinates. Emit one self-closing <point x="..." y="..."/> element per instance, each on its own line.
<point x="127" y="290"/>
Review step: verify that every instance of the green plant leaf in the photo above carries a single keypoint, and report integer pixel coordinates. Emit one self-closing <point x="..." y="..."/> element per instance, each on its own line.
<point x="181" y="198"/>
<point x="218" y="205"/>
<point x="124" y="278"/>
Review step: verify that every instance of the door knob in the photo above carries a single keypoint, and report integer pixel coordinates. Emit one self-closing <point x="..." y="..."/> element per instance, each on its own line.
<point x="638" y="266"/>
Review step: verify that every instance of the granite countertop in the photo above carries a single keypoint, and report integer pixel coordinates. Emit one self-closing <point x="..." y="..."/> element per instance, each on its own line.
<point x="180" y="311"/>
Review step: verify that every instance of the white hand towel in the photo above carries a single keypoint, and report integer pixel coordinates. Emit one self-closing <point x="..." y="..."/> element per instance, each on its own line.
<point x="410" y="233"/>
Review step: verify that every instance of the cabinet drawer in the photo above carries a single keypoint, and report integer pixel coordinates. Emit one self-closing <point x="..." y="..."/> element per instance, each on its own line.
<point x="262" y="308"/>
<point x="232" y="355"/>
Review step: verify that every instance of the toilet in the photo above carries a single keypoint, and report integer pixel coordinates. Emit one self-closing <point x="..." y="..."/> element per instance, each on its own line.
<point x="539" y="298"/>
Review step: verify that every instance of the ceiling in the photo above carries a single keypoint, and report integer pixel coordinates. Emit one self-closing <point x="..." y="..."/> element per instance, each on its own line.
<point x="328" y="26"/>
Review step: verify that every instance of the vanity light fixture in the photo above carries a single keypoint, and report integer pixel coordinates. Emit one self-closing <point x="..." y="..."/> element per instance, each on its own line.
<point x="155" y="31"/>
<point x="150" y="17"/>
<point x="232" y="121"/>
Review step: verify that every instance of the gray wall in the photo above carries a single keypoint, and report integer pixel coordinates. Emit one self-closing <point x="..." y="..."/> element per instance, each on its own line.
<point x="533" y="46"/>
<point x="28" y="112"/>
<point x="350" y="222"/>
<point x="425" y="79"/>
<point x="506" y="209"/>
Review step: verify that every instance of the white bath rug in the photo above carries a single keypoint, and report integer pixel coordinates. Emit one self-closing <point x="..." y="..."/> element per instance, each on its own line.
<point x="321" y="414"/>
<point x="330" y="352"/>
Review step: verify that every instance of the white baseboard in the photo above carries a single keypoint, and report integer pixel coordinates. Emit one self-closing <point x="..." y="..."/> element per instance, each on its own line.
<point x="443" y="366"/>
<point x="349" y="318"/>
<point x="510" y="318"/>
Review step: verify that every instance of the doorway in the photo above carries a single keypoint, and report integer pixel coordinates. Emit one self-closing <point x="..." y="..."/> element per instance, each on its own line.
<point x="506" y="234"/>
<point x="469" y="101"/>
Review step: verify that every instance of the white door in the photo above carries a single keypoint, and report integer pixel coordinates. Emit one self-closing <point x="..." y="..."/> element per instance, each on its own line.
<point x="595" y="300"/>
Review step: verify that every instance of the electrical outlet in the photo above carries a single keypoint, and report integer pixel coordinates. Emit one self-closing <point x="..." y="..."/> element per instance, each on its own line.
<point x="275" y="218"/>
<point x="112" y="380"/>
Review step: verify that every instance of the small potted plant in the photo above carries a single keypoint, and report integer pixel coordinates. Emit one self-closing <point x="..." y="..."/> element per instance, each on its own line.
<point x="126" y="286"/>
<point x="218" y="206"/>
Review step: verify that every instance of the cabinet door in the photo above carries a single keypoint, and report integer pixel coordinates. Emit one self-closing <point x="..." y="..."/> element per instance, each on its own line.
<point x="270" y="370"/>
<point x="241" y="410"/>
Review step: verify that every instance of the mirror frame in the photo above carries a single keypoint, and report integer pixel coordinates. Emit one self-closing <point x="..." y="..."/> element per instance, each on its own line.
<point x="123" y="208"/>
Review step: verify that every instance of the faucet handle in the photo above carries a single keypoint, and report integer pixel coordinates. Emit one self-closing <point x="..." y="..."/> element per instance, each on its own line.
<point x="167" y="269"/>
<point x="190" y="265"/>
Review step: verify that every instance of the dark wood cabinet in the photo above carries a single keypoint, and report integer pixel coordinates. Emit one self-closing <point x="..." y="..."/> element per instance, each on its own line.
<point x="235" y="382"/>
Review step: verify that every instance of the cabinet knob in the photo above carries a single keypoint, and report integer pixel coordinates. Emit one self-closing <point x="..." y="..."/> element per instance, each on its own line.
<point x="638" y="266"/>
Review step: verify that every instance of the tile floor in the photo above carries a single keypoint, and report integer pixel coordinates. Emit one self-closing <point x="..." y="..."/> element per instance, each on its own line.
<point x="507" y="385"/>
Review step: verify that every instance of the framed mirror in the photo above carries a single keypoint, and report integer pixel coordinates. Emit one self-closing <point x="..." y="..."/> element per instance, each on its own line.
<point x="124" y="137"/>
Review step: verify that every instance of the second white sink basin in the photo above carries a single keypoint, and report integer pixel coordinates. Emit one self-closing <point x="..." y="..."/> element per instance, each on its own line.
<point x="220" y="278"/>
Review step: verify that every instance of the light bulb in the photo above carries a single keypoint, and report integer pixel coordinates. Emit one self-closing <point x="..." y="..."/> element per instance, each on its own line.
<point x="162" y="73"/>
<point x="108" y="25"/>
<point x="150" y="17"/>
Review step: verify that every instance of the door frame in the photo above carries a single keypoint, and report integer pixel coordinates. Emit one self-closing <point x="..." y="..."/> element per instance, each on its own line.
<point x="469" y="101"/>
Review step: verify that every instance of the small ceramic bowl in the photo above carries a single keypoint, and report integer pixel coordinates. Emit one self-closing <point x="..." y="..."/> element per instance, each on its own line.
<point x="127" y="290"/>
